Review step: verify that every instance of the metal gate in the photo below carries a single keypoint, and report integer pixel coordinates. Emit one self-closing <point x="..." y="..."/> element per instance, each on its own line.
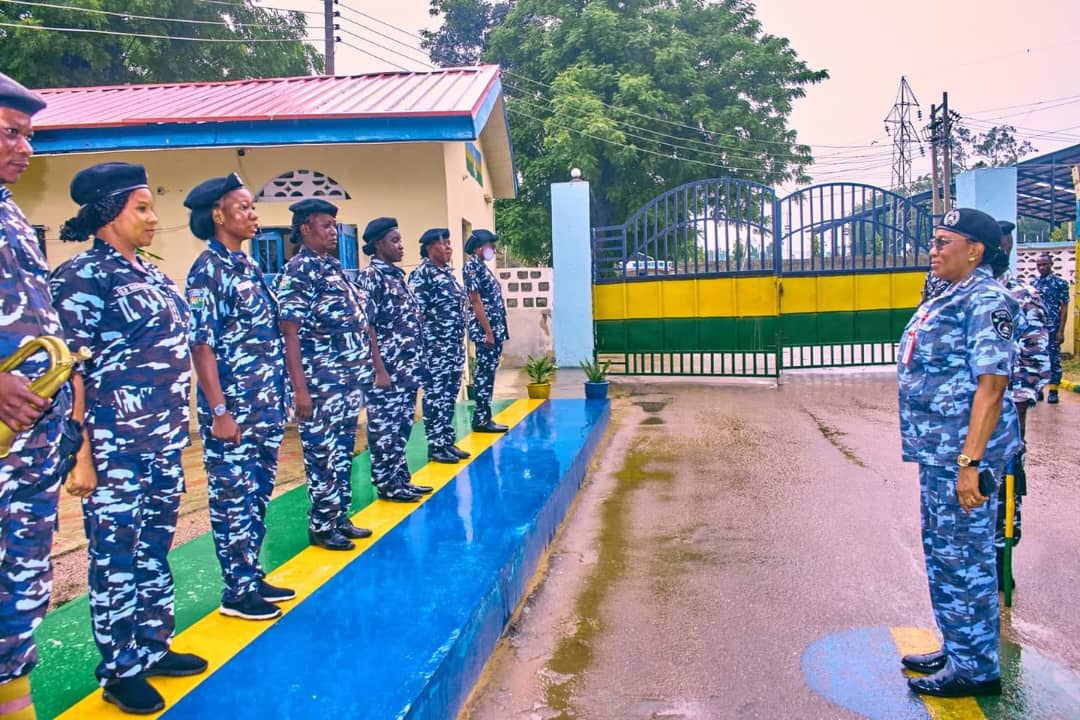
<point x="720" y="277"/>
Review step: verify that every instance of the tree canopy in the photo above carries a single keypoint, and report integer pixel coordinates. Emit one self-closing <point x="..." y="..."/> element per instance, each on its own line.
<point x="261" y="42"/>
<point x="641" y="95"/>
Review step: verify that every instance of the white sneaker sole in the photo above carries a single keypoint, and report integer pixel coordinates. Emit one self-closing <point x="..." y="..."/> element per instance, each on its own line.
<point x="237" y="614"/>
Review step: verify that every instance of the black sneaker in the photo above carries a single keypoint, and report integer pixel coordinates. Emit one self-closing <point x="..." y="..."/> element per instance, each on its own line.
<point x="134" y="695"/>
<point x="273" y="594"/>
<point x="175" y="664"/>
<point x="250" y="607"/>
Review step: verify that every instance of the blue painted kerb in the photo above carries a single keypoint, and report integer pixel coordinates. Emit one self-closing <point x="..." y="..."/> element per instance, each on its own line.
<point x="449" y="686"/>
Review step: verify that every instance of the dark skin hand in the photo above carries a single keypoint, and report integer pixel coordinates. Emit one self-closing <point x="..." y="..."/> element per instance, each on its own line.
<point x="19" y="407"/>
<point x="224" y="427"/>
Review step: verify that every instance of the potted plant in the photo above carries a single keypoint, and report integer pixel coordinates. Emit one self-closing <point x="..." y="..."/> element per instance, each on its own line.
<point x="540" y="371"/>
<point x="596" y="384"/>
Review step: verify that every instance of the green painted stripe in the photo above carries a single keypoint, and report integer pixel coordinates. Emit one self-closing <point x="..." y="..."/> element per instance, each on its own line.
<point x="68" y="655"/>
<point x="748" y="334"/>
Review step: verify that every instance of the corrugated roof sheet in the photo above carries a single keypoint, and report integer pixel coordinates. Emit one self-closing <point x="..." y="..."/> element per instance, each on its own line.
<point x="452" y="91"/>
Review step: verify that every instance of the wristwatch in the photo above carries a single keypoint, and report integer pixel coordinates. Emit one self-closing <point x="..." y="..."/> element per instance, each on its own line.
<point x="964" y="461"/>
<point x="220" y="410"/>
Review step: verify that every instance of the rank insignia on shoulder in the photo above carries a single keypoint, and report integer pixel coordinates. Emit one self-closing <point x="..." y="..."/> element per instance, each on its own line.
<point x="1003" y="323"/>
<point x="197" y="298"/>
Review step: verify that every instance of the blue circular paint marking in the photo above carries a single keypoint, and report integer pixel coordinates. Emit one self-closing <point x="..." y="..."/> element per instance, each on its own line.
<point x="859" y="669"/>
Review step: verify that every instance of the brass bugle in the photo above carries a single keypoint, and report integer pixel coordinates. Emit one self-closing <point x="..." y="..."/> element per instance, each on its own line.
<point x="61" y="363"/>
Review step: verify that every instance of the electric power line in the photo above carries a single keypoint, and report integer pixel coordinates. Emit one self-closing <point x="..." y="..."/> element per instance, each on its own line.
<point x="43" y="28"/>
<point x="372" y="55"/>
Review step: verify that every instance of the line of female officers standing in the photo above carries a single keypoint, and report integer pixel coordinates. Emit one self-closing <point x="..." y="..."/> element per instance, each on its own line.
<point x="341" y="343"/>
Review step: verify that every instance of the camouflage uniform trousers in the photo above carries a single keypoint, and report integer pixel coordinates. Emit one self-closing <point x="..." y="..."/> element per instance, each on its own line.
<point x="240" y="479"/>
<point x="959" y="548"/>
<point x="130" y="521"/>
<point x="1054" y="350"/>
<point x="328" y="439"/>
<point x="441" y="385"/>
<point x="389" y="423"/>
<point x="487" y="362"/>
<point x="29" y="493"/>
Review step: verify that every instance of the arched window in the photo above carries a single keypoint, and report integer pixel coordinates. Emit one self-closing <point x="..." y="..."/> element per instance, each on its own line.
<point x="297" y="184"/>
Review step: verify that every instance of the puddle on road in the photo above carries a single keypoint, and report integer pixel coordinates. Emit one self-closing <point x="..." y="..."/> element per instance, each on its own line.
<point x="574" y="653"/>
<point x="652" y="406"/>
<point x="833" y="436"/>
<point x="652" y="421"/>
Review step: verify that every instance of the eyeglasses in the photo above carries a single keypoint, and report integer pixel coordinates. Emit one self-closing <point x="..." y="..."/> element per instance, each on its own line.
<point x="939" y="243"/>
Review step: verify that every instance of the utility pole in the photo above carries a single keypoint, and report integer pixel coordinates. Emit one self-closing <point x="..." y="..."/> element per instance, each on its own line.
<point x="947" y="119"/>
<point x="935" y="140"/>
<point x="898" y="125"/>
<point x="328" y="35"/>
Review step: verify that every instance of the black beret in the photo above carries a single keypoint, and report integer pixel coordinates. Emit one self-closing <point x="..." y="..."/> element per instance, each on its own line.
<point x="434" y="235"/>
<point x="975" y="225"/>
<point x="104" y="179"/>
<point x="478" y="238"/>
<point x="208" y="192"/>
<point x="15" y="96"/>
<point x="376" y="229"/>
<point x="1006" y="227"/>
<point x="304" y="209"/>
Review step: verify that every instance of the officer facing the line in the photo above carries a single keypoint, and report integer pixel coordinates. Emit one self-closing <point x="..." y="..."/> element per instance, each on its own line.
<point x="133" y="396"/>
<point x="29" y="474"/>
<point x="442" y="301"/>
<point x="955" y="360"/>
<point x="1055" y="296"/>
<point x="397" y="349"/>
<point x="323" y="319"/>
<point x="487" y="324"/>
<point x="238" y="356"/>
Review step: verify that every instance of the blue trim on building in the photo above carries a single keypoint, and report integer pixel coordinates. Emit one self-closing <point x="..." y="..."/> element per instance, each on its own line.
<point x="336" y="131"/>
<point x="405" y="629"/>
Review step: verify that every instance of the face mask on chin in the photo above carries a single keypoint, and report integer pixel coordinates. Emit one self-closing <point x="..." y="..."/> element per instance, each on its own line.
<point x="488" y="254"/>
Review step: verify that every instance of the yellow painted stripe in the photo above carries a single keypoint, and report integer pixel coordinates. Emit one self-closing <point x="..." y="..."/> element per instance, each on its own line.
<point x="218" y="638"/>
<point x="920" y="640"/>
<point x="755" y="296"/>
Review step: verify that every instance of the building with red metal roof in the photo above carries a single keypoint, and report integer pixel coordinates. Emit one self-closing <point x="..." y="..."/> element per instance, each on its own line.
<point x="430" y="148"/>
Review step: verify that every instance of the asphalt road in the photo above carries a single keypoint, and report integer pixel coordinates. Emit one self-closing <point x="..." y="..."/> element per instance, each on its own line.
<point x="740" y="551"/>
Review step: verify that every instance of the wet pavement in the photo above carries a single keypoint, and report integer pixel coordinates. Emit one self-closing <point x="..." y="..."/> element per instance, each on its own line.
<point x="747" y="550"/>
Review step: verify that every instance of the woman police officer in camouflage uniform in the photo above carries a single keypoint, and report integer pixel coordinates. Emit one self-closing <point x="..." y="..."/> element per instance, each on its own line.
<point x="442" y="301"/>
<point x="134" y="397"/>
<point x="397" y="348"/>
<point x="487" y="324"/>
<point x="238" y="354"/>
<point x="955" y="360"/>
<point x="323" y="319"/>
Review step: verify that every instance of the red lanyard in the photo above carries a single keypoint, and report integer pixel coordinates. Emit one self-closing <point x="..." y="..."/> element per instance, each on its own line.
<point x="911" y="333"/>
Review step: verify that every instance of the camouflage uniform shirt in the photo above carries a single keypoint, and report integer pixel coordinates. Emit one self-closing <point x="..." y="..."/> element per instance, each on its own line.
<point x="1054" y="293"/>
<point x="332" y="312"/>
<point x="135" y="322"/>
<point x="395" y="316"/>
<point x="950" y="341"/>
<point x="1032" y="369"/>
<point x="235" y="313"/>
<point x="26" y="311"/>
<point x="442" y="301"/>
<point x="479" y="279"/>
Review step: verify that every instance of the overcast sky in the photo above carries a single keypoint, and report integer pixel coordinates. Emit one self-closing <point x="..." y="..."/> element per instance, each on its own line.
<point x="1001" y="61"/>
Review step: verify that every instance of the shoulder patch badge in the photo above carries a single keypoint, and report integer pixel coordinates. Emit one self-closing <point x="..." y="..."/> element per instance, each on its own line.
<point x="1003" y="323"/>
<point x="196" y="298"/>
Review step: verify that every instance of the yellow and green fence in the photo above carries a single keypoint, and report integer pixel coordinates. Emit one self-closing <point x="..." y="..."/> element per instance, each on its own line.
<point x="700" y="284"/>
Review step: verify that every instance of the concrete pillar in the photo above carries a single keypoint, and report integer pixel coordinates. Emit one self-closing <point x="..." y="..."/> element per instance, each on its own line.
<point x="571" y="283"/>
<point x="992" y="190"/>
